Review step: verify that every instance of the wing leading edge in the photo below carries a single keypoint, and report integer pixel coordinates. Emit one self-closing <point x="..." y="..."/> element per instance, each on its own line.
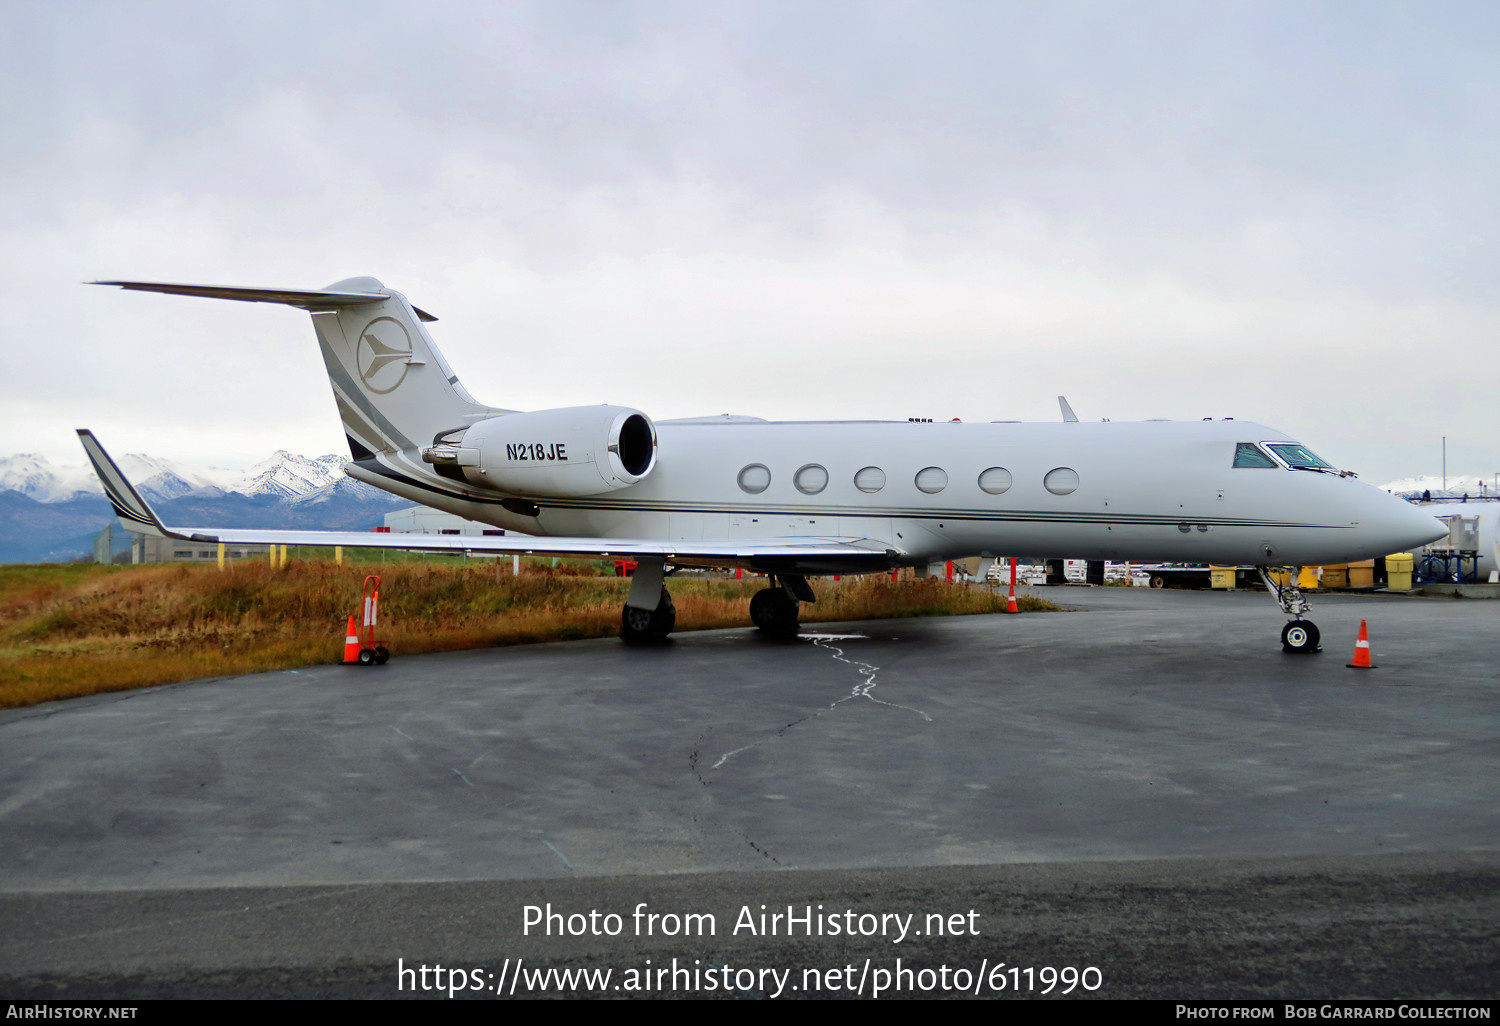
<point x="808" y="555"/>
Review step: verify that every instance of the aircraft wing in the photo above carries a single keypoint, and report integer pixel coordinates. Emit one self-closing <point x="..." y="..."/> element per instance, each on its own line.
<point x="807" y="555"/>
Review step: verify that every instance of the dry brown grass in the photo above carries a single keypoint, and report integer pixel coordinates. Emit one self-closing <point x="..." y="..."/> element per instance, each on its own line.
<point x="79" y="630"/>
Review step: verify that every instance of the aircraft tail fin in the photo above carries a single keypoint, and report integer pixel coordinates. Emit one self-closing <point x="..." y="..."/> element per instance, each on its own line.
<point x="393" y="388"/>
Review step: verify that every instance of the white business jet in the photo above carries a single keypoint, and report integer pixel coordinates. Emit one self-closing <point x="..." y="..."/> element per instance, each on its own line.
<point x="794" y="498"/>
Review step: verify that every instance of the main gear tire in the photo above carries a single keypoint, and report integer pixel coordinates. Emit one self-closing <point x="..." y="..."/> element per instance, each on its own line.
<point x="638" y="626"/>
<point x="775" y="612"/>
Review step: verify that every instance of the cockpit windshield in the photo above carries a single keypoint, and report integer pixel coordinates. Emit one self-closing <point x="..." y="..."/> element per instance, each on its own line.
<point x="1299" y="456"/>
<point x="1248" y="454"/>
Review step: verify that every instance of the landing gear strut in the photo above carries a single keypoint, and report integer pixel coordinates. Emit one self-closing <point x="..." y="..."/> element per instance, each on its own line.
<point x="1299" y="636"/>
<point x="774" y="610"/>
<point x="649" y="614"/>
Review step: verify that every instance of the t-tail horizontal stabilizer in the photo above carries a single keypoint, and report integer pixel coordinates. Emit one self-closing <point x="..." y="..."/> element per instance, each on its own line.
<point x="306" y="299"/>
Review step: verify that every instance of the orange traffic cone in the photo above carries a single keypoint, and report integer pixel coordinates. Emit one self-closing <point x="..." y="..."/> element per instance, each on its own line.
<point x="351" y="645"/>
<point x="1362" y="650"/>
<point x="1010" y="603"/>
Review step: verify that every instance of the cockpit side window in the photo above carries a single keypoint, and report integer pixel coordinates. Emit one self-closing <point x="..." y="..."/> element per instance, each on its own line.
<point x="1298" y="455"/>
<point x="1248" y="454"/>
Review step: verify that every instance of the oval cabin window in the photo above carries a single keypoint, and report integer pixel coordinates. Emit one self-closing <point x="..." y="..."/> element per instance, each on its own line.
<point x="995" y="481"/>
<point x="1062" y="481"/>
<point x="811" y="479"/>
<point x="932" y="480"/>
<point x="755" y="478"/>
<point x="870" y="479"/>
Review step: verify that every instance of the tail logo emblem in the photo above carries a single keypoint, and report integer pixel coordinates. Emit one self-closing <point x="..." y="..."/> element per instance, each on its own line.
<point x="382" y="355"/>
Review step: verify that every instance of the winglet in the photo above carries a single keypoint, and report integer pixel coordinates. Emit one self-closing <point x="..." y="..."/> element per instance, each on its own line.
<point x="132" y="510"/>
<point x="1069" y="417"/>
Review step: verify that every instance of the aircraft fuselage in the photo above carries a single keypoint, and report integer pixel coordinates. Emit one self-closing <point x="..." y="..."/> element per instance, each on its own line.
<point x="1143" y="491"/>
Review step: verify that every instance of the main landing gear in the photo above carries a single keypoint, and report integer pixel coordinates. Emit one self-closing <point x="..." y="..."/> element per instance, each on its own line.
<point x="638" y="625"/>
<point x="1299" y="636"/>
<point x="649" y="614"/>
<point x="774" y="610"/>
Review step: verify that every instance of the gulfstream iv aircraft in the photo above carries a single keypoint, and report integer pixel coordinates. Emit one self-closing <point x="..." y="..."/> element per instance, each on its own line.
<point x="793" y="499"/>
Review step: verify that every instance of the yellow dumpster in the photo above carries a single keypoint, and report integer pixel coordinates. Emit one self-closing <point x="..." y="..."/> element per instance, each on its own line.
<point x="1398" y="570"/>
<point x="1221" y="577"/>
<point x="1336" y="575"/>
<point x="1281" y="577"/>
<point x="1362" y="575"/>
<point x="1307" y="580"/>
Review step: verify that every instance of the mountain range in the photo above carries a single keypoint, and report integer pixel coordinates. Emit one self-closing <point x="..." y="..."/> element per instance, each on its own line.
<point x="284" y="475"/>
<point x="52" y="513"/>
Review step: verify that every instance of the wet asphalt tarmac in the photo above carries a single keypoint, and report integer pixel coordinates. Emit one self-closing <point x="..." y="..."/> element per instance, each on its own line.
<point x="1147" y="786"/>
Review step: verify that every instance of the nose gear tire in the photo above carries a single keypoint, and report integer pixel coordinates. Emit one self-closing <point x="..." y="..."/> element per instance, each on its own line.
<point x="1300" y="637"/>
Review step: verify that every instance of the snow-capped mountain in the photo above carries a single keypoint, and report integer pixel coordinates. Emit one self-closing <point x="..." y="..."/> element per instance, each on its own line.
<point x="343" y="490"/>
<point x="53" y="512"/>
<point x="288" y="475"/>
<point x="284" y="475"/>
<point x="161" y="479"/>
<point x="35" y="478"/>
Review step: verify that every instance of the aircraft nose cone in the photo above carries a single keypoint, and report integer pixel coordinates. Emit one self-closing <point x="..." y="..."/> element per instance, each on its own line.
<point x="1408" y="527"/>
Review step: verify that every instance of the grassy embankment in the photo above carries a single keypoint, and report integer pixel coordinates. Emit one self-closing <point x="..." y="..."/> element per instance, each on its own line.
<point x="77" y="629"/>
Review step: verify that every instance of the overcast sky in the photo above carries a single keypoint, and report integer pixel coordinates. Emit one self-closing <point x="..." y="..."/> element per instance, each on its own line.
<point x="1280" y="212"/>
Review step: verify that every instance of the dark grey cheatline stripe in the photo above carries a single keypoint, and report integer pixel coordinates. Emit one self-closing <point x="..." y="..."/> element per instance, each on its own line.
<point x="347" y="390"/>
<point x="356" y="427"/>
<point x="380" y="469"/>
<point x="882" y="513"/>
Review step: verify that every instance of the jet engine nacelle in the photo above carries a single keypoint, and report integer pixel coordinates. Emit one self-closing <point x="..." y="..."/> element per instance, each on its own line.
<point x="577" y="450"/>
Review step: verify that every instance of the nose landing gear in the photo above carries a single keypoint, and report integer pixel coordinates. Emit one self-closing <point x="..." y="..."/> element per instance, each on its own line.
<point x="1299" y="636"/>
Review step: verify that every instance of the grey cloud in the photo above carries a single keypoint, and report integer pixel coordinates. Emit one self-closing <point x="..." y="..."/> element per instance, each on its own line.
<point x="1254" y="153"/>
